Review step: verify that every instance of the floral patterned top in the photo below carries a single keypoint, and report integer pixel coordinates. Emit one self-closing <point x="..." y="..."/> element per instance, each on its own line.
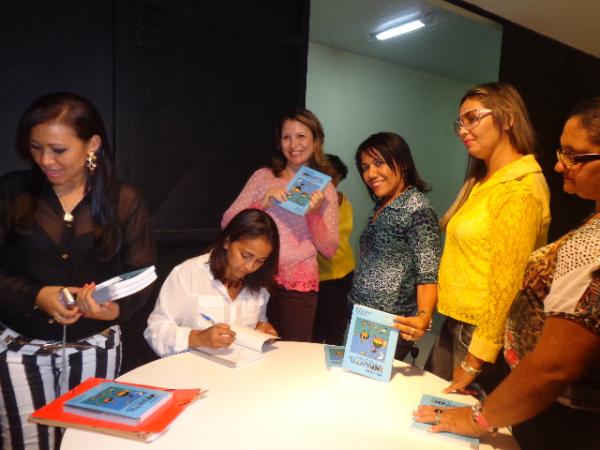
<point x="562" y="280"/>
<point x="399" y="249"/>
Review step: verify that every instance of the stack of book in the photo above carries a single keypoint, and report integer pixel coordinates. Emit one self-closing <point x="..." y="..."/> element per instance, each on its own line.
<point x="122" y="409"/>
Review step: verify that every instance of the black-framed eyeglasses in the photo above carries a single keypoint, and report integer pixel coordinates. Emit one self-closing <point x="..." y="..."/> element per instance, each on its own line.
<point x="469" y="119"/>
<point x="571" y="159"/>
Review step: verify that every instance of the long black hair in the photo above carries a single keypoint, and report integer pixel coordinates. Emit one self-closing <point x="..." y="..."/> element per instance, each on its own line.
<point x="103" y="187"/>
<point x="396" y="153"/>
<point x="248" y="224"/>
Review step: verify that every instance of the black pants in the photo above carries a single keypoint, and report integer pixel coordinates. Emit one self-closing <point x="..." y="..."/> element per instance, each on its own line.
<point x="331" y="317"/>
<point x="292" y="313"/>
<point x="559" y="428"/>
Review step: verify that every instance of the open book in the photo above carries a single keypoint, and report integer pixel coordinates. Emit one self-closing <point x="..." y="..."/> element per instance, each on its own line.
<point x="299" y="189"/>
<point x="371" y="343"/>
<point x="123" y="285"/>
<point x="463" y="441"/>
<point x="249" y="346"/>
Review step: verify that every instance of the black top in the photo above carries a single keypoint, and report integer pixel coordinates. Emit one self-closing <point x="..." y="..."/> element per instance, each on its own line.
<point x="56" y="253"/>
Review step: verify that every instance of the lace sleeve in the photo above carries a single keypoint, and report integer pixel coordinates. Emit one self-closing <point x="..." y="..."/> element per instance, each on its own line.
<point x="424" y="240"/>
<point x="515" y="224"/>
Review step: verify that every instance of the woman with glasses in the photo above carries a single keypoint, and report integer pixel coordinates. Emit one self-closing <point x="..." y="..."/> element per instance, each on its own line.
<point x="552" y="340"/>
<point x="500" y="216"/>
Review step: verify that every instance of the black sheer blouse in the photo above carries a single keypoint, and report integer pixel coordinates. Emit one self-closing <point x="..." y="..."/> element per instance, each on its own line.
<point x="56" y="253"/>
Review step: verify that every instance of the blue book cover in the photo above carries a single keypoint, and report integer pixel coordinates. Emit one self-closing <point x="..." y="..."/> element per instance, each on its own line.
<point x="299" y="189"/>
<point x="118" y="402"/>
<point x="334" y="355"/>
<point x="464" y="441"/>
<point x="371" y="343"/>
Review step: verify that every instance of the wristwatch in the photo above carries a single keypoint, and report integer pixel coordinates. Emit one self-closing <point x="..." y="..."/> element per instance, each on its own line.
<point x="479" y="419"/>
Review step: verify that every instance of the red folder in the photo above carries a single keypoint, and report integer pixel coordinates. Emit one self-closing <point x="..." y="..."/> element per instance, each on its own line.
<point x="53" y="415"/>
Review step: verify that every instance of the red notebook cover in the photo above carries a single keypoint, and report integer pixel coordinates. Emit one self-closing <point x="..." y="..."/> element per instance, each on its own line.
<point x="53" y="415"/>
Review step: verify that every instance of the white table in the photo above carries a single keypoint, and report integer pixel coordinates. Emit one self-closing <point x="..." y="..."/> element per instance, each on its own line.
<point x="286" y="401"/>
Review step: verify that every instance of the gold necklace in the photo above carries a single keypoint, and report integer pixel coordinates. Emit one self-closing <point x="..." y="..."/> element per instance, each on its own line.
<point x="67" y="209"/>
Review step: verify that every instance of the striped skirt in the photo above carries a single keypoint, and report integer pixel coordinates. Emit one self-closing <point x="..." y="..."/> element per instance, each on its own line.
<point x="30" y="370"/>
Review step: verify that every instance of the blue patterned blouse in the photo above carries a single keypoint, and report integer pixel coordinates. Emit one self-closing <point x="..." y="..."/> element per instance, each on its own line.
<point x="399" y="250"/>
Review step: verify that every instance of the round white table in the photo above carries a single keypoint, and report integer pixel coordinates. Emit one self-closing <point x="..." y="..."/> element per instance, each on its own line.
<point x="287" y="400"/>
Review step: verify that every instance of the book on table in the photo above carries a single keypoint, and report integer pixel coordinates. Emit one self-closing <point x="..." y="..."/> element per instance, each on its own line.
<point x="371" y="343"/>
<point x="154" y="417"/>
<point x="124" y="285"/>
<point x="334" y="355"/>
<point x="249" y="346"/>
<point x="457" y="439"/>
<point x="117" y="402"/>
<point x="300" y="188"/>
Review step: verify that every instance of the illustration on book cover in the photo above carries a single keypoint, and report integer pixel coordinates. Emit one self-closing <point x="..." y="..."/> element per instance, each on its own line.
<point x="370" y="339"/>
<point x="119" y="399"/>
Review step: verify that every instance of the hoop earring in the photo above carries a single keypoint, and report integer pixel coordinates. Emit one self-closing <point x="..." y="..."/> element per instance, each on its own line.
<point x="90" y="162"/>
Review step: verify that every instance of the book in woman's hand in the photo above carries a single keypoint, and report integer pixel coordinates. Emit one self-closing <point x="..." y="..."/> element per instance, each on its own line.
<point x="300" y="188"/>
<point x="124" y="285"/>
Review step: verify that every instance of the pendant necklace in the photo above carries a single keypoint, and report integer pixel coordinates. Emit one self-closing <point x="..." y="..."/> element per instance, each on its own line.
<point x="67" y="210"/>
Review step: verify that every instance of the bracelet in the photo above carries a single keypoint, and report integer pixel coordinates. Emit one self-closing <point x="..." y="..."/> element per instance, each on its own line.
<point x="470" y="370"/>
<point x="479" y="418"/>
<point x="421" y="312"/>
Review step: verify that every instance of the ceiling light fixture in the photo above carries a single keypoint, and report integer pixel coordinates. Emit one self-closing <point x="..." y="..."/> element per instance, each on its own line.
<point x="399" y="29"/>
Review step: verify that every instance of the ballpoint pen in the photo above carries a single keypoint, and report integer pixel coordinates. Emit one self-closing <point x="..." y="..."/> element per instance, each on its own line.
<point x="210" y="319"/>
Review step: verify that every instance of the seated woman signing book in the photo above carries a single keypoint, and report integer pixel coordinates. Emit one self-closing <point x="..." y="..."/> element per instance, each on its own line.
<point x="204" y="295"/>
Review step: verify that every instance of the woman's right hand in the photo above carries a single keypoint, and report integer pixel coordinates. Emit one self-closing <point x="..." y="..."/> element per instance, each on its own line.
<point x="219" y="335"/>
<point x="272" y="195"/>
<point x="48" y="300"/>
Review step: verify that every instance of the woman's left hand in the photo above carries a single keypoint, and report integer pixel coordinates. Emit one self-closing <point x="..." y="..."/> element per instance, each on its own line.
<point x="316" y="200"/>
<point x="460" y="381"/>
<point x="411" y="328"/>
<point x="266" y="327"/>
<point x="91" y="309"/>
<point x="455" y="420"/>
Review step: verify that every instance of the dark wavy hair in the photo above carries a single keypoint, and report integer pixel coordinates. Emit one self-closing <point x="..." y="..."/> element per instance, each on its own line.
<point x="396" y="153"/>
<point x="318" y="160"/>
<point x="248" y="224"/>
<point x="83" y="118"/>
<point x="588" y="112"/>
<point x="337" y="165"/>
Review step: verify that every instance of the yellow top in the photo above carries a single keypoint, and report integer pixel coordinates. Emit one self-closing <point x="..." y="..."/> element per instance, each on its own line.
<point x="488" y="242"/>
<point x="342" y="262"/>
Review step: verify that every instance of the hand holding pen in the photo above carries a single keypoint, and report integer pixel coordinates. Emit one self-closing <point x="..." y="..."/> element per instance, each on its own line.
<point x="219" y="335"/>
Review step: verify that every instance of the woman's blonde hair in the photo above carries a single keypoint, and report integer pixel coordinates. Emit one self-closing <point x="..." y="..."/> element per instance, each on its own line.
<point x="511" y="117"/>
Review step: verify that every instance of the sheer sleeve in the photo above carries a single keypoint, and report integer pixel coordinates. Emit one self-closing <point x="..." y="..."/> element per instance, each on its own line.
<point x="515" y="224"/>
<point x="324" y="224"/>
<point x="17" y="293"/>
<point x="138" y="249"/>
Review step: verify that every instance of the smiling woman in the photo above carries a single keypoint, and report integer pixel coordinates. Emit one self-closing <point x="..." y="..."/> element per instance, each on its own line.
<point x="293" y="304"/>
<point x="400" y="246"/>
<point x="66" y="222"/>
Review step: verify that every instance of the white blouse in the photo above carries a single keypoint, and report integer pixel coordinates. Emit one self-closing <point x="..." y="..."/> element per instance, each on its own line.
<point x="189" y="291"/>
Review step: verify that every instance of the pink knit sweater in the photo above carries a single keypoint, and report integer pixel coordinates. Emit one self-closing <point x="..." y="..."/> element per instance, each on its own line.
<point x="300" y="236"/>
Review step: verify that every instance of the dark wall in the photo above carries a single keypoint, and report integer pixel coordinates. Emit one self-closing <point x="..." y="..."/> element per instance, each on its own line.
<point x="190" y="90"/>
<point x="552" y="78"/>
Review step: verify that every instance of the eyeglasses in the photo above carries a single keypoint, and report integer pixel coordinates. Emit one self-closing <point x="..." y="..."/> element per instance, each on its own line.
<point x="570" y="159"/>
<point x="469" y="119"/>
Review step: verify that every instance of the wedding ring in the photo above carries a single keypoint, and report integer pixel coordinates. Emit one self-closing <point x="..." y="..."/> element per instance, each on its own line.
<point x="438" y="415"/>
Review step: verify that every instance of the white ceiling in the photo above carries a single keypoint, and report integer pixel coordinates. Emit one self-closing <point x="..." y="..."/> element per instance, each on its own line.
<point x="457" y="44"/>
<point x="573" y="22"/>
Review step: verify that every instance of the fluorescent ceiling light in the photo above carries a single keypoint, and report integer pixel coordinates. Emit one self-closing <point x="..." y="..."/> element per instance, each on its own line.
<point x="400" y="29"/>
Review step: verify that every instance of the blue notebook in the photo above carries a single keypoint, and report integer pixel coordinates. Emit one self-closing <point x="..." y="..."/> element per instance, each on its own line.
<point x="299" y="189"/>
<point x="371" y="343"/>
<point x="118" y="402"/>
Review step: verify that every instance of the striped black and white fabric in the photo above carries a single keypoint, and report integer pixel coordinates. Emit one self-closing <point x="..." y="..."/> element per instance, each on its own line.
<point x="29" y="378"/>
